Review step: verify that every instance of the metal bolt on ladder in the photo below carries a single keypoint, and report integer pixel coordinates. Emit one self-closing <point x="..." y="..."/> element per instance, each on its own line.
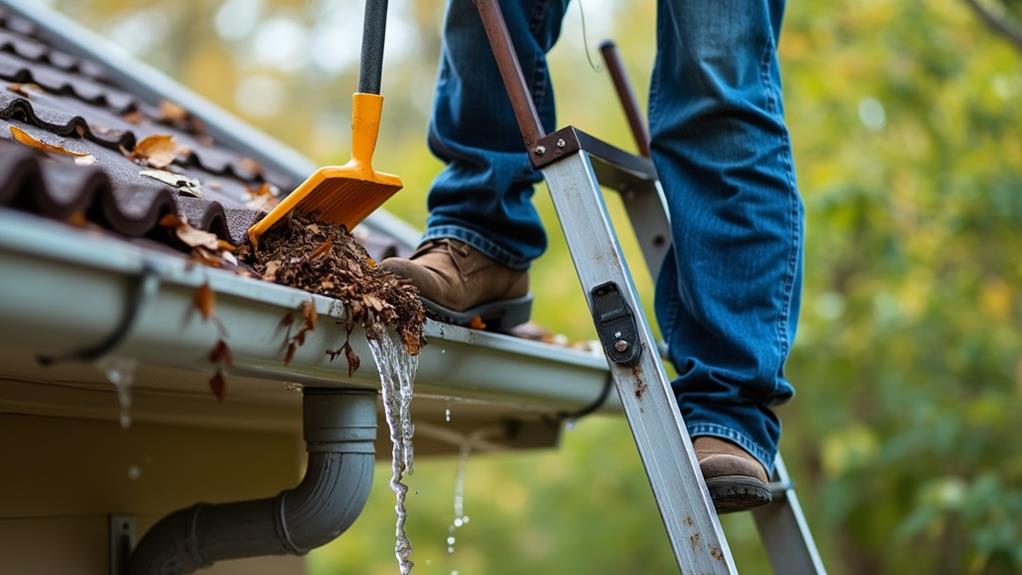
<point x="575" y="165"/>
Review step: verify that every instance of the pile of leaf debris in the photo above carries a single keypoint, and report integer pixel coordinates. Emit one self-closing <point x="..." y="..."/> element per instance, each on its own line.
<point x="326" y="259"/>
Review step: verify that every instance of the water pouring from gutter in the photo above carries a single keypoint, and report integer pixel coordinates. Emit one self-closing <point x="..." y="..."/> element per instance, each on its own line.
<point x="397" y="374"/>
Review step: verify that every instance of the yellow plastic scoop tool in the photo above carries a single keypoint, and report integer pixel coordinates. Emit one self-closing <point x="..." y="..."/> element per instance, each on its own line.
<point x="347" y="194"/>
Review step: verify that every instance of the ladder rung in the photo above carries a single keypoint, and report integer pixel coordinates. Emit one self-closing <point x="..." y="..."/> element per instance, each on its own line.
<point x="780" y="489"/>
<point x="614" y="167"/>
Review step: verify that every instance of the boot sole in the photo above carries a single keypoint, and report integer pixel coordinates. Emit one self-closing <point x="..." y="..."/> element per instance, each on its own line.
<point x="500" y="315"/>
<point x="733" y="493"/>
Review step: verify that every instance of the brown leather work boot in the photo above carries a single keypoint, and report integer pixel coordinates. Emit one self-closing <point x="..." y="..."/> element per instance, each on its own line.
<point x="458" y="283"/>
<point x="736" y="480"/>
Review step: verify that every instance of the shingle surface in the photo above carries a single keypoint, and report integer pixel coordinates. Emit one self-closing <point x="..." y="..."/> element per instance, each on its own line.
<point x="68" y="102"/>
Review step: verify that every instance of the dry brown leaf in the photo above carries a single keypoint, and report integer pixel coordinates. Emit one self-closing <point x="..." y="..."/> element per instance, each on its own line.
<point x="221" y="353"/>
<point x="250" y="165"/>
<point x="262" y="197"/>
<point x="194" y="238"/>
<point x="270" y="273"/>
<point x="206" y="258"/>
<point x="287" y="320"/>
<point x="373" y="301"/>
<point x="217" y="384"/>
<point x="182" y="183"/>
<point x="158" y="150"/>
<point x="261" y="204"/>
<point x="204" y="300"/>
<point x="171" y="221"/>
<point x="26" y="139"/>
<point x="477" y="323"/>
<point x="25" y="90"/>
<point x="310" y="315"/>
<point x="322" y="249"/>
<point x="197" y="238"/>
<point x="133" y="117"/>
<point x="353" y="360"/>
<point x="78" y="219"/>
<point x="171" y="112"/>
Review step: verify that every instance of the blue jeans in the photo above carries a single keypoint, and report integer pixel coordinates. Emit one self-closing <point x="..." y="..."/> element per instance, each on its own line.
<point x="728" y="295"/>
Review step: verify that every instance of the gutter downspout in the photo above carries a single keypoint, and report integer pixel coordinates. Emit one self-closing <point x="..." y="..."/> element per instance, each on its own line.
<point x="339" y="426"/>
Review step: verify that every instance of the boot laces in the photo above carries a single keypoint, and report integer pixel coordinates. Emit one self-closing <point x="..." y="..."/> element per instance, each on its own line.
<point x="445" y="245"/>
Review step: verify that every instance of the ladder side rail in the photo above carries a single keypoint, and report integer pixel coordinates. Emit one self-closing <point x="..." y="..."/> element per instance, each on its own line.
<point x="781" y="524"/>
<point x="647" y="212"/>
<point x="785" y="532"/>
<point x="665" y="449"/>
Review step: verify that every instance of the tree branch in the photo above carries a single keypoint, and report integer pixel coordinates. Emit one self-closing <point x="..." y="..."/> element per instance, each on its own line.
<point x="1003" y="28"/>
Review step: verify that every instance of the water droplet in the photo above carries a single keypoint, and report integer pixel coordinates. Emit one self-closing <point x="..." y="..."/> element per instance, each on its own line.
<point x="134" y="472"/>
<point x="460" y="519"/>
<point x="443" y="352"/>
<point x="121" y="373"/>
<point x="447" y="414"/>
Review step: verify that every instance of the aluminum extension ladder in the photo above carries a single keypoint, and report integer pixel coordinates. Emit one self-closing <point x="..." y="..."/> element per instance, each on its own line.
<point x="575" y="166"/>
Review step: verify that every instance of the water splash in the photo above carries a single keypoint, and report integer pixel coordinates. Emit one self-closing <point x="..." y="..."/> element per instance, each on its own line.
<point x="460" y="519"/>
<point x="121" y="373"/>
<point x="397" y="373"/>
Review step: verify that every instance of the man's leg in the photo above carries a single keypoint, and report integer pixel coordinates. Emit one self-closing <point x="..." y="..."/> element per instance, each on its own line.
<point x="728" y="295"/>
<point x="483" y="229"/>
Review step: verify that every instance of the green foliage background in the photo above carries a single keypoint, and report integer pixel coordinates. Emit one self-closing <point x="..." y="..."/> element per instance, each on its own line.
<point x="906" y="121"/>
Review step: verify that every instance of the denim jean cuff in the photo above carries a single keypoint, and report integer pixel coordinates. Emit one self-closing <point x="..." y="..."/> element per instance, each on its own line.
<point x="488" y="247"/>
<point x="723" y="432"/>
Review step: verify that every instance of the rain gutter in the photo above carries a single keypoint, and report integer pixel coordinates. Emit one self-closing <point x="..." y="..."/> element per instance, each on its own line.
<point x="65" y="288"/>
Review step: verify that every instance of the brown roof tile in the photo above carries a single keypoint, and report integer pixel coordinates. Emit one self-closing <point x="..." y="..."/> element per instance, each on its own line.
<point x="77" y="108"/>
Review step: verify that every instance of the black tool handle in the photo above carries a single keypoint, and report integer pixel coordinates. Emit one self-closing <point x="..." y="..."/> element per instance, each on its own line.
<point x="374" y="29"/>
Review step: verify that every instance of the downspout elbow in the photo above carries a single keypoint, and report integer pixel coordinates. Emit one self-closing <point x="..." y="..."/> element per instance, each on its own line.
<point x="339" y="430"/>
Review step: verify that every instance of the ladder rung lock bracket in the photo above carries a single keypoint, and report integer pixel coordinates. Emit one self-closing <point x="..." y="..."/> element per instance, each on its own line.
<point x="615" y="324"/>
